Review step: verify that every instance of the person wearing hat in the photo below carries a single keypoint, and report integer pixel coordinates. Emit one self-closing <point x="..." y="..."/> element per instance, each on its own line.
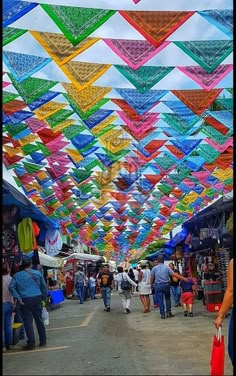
<point x="145" y="285"/>
<point x="29" y="288"/>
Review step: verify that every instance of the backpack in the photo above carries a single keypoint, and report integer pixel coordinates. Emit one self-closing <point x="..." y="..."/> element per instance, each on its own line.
<point x="125" y="285"/>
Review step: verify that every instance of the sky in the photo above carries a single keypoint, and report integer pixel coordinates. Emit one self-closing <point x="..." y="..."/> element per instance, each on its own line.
<point x="196" y="28"/>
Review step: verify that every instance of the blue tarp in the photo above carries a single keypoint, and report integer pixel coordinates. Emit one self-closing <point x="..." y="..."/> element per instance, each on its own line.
<point x="11" y="196"/>
<point x="178" y="238"/>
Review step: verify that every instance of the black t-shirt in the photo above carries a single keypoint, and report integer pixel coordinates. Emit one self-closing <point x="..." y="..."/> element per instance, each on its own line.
<point x="106" y="279"/>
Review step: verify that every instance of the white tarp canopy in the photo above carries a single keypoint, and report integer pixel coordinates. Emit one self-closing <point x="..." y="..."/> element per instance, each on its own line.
<point x="84" y="257"/>
<point x="50" y="261"/>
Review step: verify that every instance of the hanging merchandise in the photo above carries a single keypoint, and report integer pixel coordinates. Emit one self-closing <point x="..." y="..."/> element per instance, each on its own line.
<point x="36" y="231"/>
<point x="223" y="260"/>
<point x="26" y="235"/>
<point x="9" y="242"/>
<point x="53" y="242"/>
<point x="204" y="233"/>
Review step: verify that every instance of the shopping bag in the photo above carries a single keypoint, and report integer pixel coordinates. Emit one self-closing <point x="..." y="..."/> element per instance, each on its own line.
<point x="218" y="355"/>
<point x="45" y="316"/>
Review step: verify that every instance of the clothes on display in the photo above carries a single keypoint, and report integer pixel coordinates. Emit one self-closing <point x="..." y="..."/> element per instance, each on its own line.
<point x="53" y="242"/>
<point x="26" y="235"/>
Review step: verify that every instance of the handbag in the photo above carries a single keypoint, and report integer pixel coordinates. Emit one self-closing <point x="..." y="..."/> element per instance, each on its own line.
<point x="125" y="285"/>
<point x="218" y="355"/>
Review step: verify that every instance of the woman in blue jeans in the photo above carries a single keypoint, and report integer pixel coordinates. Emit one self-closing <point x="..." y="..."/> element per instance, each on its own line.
<point x="226" y="305"/>
<point x="7" y="309"/>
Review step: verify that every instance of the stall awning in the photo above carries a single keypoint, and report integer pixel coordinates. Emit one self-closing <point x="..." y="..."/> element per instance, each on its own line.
<point x="84" y="257"/>
<point x="11" y="196"/>
<point x="50" y="261"/>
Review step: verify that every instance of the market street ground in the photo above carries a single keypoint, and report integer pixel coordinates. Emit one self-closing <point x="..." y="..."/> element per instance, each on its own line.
<point x="85" y="340"/>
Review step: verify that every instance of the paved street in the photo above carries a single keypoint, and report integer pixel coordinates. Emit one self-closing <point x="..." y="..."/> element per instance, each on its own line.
<point x="85" y="340"/>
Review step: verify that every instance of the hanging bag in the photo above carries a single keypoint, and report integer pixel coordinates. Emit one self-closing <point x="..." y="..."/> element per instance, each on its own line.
<point x="125" y="285"/>
<point x="45" y="316"/>
<point x="218" y="355"/>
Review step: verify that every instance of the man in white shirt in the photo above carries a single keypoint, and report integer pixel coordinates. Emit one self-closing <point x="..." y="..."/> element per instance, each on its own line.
<point x="124" y="292"/>
<point x="136" y="277"/>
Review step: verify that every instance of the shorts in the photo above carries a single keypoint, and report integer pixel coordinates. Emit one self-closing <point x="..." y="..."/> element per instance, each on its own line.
<point x="187" y="298"/>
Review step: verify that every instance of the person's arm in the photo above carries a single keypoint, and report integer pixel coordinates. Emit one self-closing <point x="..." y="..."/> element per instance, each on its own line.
<point x="43" y="288"/>
<point x="140" y="275"/>
<point x="152" y="279"/>
<point x="99" y="280"/>
<point x="131" y="281"/>
<point x="177" y="275"/>
<point x="194" y="288"/>
<point x="75" y="280"/>
<point x="228" y="298"/>
<point x="112" y="281"/>
<point x="14" y="292"/>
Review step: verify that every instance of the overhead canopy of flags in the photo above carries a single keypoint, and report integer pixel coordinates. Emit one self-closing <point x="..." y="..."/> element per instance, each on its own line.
<point x="118" y="165"/>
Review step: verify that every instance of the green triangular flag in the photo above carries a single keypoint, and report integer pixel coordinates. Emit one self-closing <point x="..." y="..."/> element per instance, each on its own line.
<point x="77" y="23"/>
<point x="8" y="97"/>
<point x="10" y="34"/>
<point x="144" y="78"/>
<point x="32" y="88"/>
<point x="207" y="53"/>
<point x="58" y="117"/>
<point x="31" y="168"/>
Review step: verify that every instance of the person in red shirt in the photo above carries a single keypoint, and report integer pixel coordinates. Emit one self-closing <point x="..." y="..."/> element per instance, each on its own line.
<point x="188" y="289"/>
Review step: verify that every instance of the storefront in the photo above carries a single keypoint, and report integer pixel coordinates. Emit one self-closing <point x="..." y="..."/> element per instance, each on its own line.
<point x="206" y="250"/>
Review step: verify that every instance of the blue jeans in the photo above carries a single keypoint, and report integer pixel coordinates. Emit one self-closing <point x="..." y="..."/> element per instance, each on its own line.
<point x="154" y="296"/>
<point x="80" y="289"/>
<point x="92" y="291"/>
<point x="230" y="339"/>
<point x="163" y="290"/>
<point x="106" y="296"/>
<point x="176" y="294"/>
<point x="7" y="310"/>
<point x="32" y="308"/>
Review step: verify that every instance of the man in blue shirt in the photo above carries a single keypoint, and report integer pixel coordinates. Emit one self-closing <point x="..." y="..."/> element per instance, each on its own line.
<point x="29" y="288"/>
<point x="160" y="274"/>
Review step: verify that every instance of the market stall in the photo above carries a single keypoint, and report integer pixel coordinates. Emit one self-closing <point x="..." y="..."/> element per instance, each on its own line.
<point x="24" y="227"/>
<point x="52" y="266"/>
<point x="88" y="261"/>
<point x="205" y="251"/>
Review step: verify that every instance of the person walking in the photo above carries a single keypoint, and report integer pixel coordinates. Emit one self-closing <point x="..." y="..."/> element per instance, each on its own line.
<point x="225" y="306"/>
<point x="136" y="273"/>
<point x="92" y="286"/>
<point x="132" y="276"/>
<point x="7" y="309"/>
<point x="29" y="288"/>
<point x="105" y="279"/>
<point x="80" y="280"/>
<point x="155" y="304"/>
<point x="125" y="284"/>
<point x="174" y="287"/>
<point x="161" y="275"/>
<point x="145" y="286"/>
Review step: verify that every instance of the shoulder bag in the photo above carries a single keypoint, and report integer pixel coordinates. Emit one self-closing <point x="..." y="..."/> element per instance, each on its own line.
<point x="125" y="285"/>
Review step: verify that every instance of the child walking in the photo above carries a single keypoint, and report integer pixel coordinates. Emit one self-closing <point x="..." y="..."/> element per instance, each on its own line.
<point x="187" y="295"/>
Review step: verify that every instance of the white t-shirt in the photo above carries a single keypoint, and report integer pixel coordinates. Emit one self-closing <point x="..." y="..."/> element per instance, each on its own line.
<point x="124" y="276"/>
<point x="136" y="274"/>
<point x="92" y="282"/>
